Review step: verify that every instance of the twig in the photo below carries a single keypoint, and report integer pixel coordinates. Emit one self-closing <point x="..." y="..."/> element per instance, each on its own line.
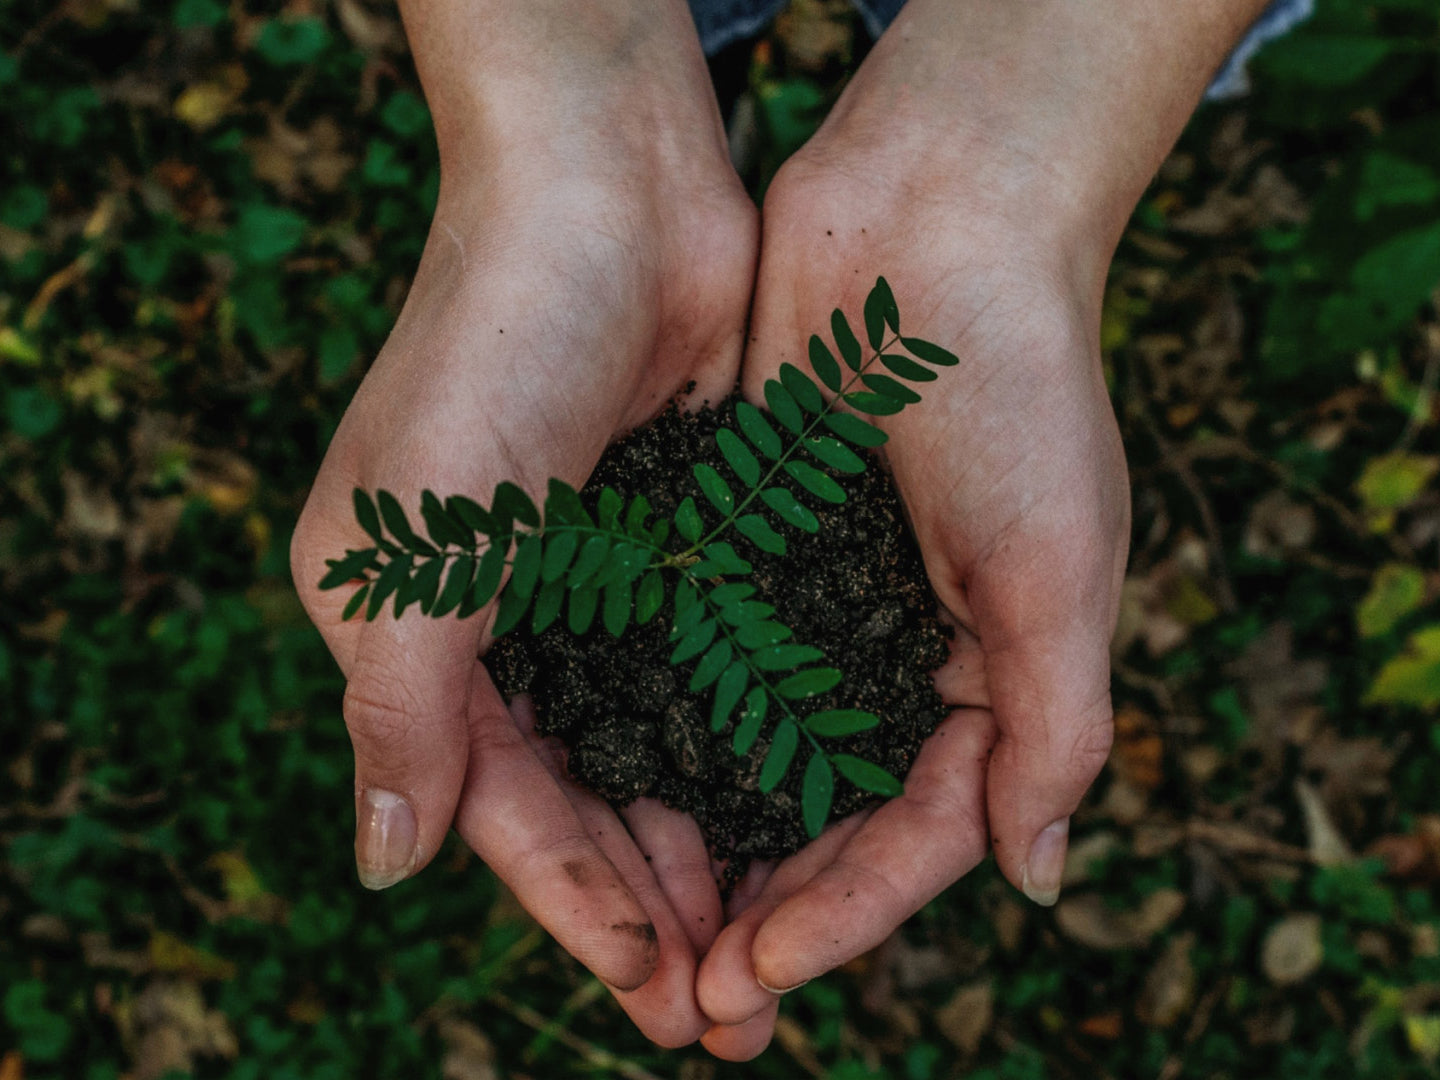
<point x="1425" y="394"/>
<point x="1176" y="1062"/>
<point x="597" y="1057"/>
<point x="1179" y="464"/>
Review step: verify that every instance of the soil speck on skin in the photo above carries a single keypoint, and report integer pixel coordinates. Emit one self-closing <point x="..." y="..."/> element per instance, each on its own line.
<point x="857" y="589"/>
<point x="575" y="871"/>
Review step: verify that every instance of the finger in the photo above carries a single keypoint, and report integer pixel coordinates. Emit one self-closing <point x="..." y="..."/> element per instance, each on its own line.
<point x="1045" y="616"/>
<point x="675" y="851"/>
<point x="664" y="1007"/>
<point x="727" y="987"/>
<point x="515" y="816"/>
<point x="404" y="706"/>
<point x="742" y="1042"/>
<point x="909" y="850"/>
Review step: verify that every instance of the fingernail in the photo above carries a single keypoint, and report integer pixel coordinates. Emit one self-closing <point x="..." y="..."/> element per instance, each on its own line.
<point x="384" y="839"/>
<point x="1040" y="876"/>
<point x="778" y="993"/>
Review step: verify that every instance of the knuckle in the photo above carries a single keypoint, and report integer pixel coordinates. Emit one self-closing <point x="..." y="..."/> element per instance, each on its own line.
<point x="385" y="726"/>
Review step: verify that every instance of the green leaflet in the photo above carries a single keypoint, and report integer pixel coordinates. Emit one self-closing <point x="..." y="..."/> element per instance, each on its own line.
<point x="845" y="340"/>
<point x="757" y="429"/>
<point x="367" y="515"/>
<point x="823" y="361"/>
<point x="714" y="487"/>
<point x="806" y="393"/>
<point x="833" y="723"/>
<point x="907" y="368"/>
<point x="758" y="531"/>
<point x="808" y="683"/>
<point x="777" y="759"/>
<point x="444" y="530"/>
<point x="789" y="509"/>
<point x="784" y="407"/>
<point x="712" y="665"/>
<point x="817" y="790"/>
<point x="728" y="692"/>
<point x="739" y="457"/>
<point x="866" y="776"/>
<point x="815" y="482"/>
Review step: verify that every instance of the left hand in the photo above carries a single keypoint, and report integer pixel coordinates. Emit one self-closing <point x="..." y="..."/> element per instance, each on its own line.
<point x="1012" y="470"/>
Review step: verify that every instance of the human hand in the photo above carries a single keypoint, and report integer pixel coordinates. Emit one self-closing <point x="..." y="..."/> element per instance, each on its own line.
<point x="984" y="159"/>
<point x="592" y="253"/>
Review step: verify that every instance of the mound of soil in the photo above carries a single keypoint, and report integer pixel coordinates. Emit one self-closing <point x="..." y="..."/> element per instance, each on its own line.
<point x="856" y="589"/>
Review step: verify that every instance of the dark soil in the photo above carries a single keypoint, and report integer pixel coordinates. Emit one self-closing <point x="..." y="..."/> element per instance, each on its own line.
<point x="857" y="589"/>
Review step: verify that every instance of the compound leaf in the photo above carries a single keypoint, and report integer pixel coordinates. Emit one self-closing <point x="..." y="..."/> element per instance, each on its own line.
<point x="845" y="340"/>
<point x="780" y="754"/>
<point x="739" y="457"/>
<point x="426" y="583"/>
<point x="817" y="791"/>
<point x="802" y="388"/>
<point x="930" y="352"/>
<point x="867" y="776"/>
<point x="712" y="665"/>
<point x="757" y="429"/>
<point x="783" y="407"/>
<point x="815" y="481"/>
<point x="758" y="531"/>
<point x="746" y="611"/>
<point x="854" y="430"/>
<point x="728" y="692"/>
<point x="714" y="487"/>
<point x="789" y="509"/>
<point x="721" y="559"/>
<point x="823" y="361"/>
<point x="731" y="592"/>
<point x="833" y="723"/>
<point x="808" y="683"/>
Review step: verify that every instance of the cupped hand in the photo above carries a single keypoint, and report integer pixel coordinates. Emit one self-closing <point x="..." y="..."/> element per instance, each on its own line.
<point x="591" y="255"/>
<point x="1013" y="475"/>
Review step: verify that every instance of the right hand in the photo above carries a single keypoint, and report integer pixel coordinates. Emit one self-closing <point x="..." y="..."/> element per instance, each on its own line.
<point x="592" y="254"/>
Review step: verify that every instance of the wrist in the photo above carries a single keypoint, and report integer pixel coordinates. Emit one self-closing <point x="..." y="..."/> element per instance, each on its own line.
<point x="1047" y="115"/>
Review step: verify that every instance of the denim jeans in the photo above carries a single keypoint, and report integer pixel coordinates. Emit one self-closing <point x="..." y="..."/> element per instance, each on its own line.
<point x="721" y="22"/>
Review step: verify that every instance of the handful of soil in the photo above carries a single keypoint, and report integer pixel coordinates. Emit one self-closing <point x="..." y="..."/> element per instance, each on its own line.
<point x="856" y="589"/>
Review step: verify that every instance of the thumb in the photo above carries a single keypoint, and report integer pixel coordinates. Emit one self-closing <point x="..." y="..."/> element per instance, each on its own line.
<point x="405" y="708"/>
<point x="1044" y="617"/>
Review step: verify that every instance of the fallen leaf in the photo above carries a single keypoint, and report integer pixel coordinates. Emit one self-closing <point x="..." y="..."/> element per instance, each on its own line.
<point x="469" y="1053"/>
<point x="1292" y="950"/>
<point x="967" y="1016"/>
<point x="1139" y="754"/>
<point x="1092" y="922"/>
<point x="1086" y="852"/>
<point x="1324" y="842"/>
<point x="1413" y="677"/>
<point x="1423" y="1035"/>
<point x="1392" y="481"/>
<point x="1169" y="987"/>
<point x="1279" y="525"/>
<point x="1396" y="591"/>
<point x="168" y="1026"/>
<point x="1109" y="1025"/>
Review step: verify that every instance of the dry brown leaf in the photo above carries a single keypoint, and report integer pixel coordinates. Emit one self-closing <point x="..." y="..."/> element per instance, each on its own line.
<point x="967" y="1016"/>
<point x="1170" y="985"/>
<point x="1324" y="842"/>
<point x="815" y="33"/>
<point x="1138" y="756"/>
<point x="12" y="1066"/>
<point x="1292" y="950"/>
<point x="1086" y="852"/>
<point x="469" y="1053"/>
<point x="1091" y="921"/>
<point x="795" y="1041"/>
<point x="1279" y="525"/>
<point x="168" y="1026"/>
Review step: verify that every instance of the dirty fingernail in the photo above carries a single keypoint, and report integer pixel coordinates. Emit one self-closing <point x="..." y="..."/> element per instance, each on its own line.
<point x="384" y="839"/>
<point x="778" y="993"/>
<point x="1044" y="866"/>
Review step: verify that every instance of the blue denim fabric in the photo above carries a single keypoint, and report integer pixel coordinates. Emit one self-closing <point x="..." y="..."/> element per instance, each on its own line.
<point x="722" y="22"/>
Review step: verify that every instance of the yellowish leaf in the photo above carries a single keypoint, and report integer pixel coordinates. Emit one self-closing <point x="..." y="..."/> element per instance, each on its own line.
<point x="1423" y="1035"/>
<point x="169" y="953"/>
<point x="1413" y="677"/>
<point x="1392" y="481"/>
<point x="1396" y="591"/>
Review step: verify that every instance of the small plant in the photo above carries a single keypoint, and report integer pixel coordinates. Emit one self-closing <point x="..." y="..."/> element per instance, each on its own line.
<point x="612" y="563"/>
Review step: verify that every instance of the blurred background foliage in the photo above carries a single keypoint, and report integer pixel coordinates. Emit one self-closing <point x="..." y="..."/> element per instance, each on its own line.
<point x="209" y="213"/>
